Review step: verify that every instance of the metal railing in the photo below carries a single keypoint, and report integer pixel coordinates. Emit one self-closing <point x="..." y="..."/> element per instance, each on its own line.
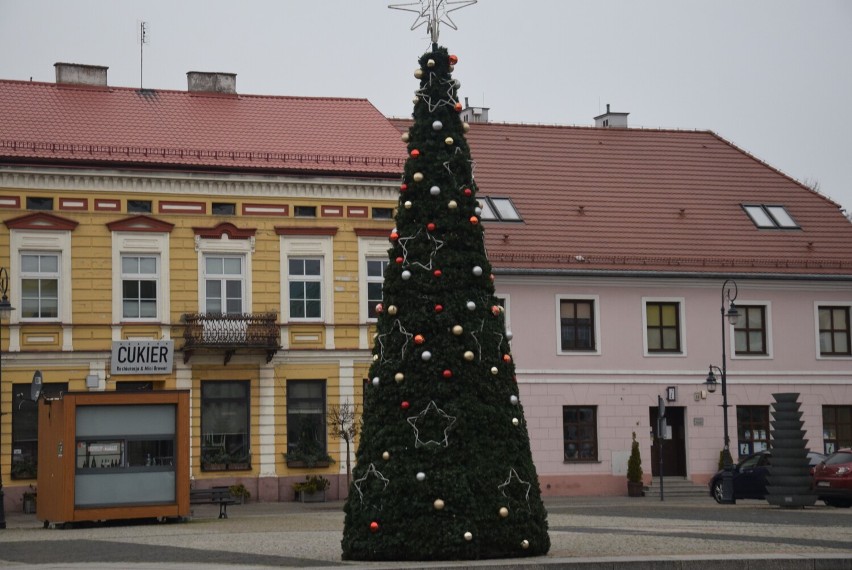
<point x="230" y="332"/>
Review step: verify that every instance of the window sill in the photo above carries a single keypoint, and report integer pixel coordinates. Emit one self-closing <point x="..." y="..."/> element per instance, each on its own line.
<point x="304" y="465"/>
<point x="583" y="461"/>
<point x="207" y="467"/>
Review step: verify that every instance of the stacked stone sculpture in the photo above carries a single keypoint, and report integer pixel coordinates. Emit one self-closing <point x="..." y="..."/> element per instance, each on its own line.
<point x="788" y="483"/>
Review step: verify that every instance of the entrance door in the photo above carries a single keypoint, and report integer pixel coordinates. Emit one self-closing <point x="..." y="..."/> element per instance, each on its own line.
<point x="674" y="449"/>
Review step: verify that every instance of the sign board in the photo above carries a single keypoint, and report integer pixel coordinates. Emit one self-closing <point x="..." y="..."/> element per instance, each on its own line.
<point x="671" y="394"/>
<point x="142" y="357"/>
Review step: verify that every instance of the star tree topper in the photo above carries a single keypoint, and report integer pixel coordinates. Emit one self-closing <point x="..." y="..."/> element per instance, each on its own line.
<point x="433" y="13"/>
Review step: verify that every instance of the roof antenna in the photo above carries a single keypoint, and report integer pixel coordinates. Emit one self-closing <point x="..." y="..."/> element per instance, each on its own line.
<point x="143" y="39"/>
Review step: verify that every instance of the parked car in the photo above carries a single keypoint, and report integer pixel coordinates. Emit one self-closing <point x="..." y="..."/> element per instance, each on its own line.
<point x="833" y="479"/>
<point x="750" y="476"/>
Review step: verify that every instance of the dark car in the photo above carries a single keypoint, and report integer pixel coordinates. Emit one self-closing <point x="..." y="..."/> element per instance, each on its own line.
<point x="750" y="476"/>
<point x="833" y="479"/>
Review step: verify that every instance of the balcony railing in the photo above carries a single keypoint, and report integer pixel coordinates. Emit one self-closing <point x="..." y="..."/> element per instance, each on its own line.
<point x="229" y="333"/>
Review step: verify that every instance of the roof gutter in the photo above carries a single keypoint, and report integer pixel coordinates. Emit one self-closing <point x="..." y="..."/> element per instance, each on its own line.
<point x="670" y="274"/>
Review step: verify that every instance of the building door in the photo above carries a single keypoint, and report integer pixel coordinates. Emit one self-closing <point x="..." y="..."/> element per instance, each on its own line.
<point x="674" y="449"/>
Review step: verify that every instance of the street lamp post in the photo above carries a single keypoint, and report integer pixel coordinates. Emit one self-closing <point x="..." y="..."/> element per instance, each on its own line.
<point x="729" y="292"/>
<point x="6" y="309"/>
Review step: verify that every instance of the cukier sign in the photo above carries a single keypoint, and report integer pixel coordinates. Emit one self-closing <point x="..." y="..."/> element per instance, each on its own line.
<point x="142" y="356"/>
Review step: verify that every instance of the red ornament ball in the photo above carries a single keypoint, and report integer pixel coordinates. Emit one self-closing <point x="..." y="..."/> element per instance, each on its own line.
<point x="454" y="59"/>
<point x="437" y="273"/>
<point x="447" y="373"/>
<point x="419" y="339"/>
<point x="468" y="192"/>
<point x="430" y="226"/>
<point x="374" y="526"/>
<point x="403" y="187"/>
<point x="379" y="308"/>
<point x="474" y="220"/>
<point x="415" y="153"/>
<point x="495" y="310"/>
<point x="405" y="405"/>
<point x="394" y="236"/>
<point x="439" y="308"/>
<point x="399" y="259"/>
<point x="507" y="358"/>
<point x="458" y="107"/>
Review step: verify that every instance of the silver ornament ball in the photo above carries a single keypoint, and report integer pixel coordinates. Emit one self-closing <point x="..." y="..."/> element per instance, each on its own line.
<point x="437" y="125"/>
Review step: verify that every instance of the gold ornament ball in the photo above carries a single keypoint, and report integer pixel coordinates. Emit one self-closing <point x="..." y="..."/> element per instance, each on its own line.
<point x="431" y="63"/>
<point x="385" y="455"/>
<point x="468" y="536"/>
<point x="392" y="310"/>
<point x="468" y="355"/>
<point x="457" y="330"/>
<point x="452" y="205"/>
<point x="449" y="140"/>
<point x="404" y="137"/>
<point x="504" y="512"/>
<point x="438" y="504"/>
<point x="516" y="422"/>
<point x="494" y="370"/>
<point x="408" y="205"/>
<point x="375" y="357"/>
<point x="399" y="377"/>
<point x="465" y="127"/>
<point x="418" y="73"/>
<point x="418" y="176"/>
<point x="525" y="544"/>
<point x="414" y="100"/>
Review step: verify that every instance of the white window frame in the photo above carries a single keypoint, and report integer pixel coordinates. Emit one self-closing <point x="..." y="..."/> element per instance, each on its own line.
<point x="681" y="301"/>
<point x="817" y="306"/>
<point x="596" y="303"/>
<point x="372" y="249"/>
<point x="223" y="278"/>
<point x="141" y="244"/>
<point x="42" y="242"/>
<point x="229" y="248"/>
<point x="767" y="315"/>
<point x="308" y="247"/>
<point x="41" y="276"/>
<point x="506" y="308"/>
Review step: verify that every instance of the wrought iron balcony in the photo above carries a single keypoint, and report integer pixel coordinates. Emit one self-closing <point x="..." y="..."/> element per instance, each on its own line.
<point x="229" y="333"/>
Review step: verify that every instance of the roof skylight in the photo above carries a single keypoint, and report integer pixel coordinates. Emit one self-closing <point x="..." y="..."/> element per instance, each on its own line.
<point x="770" y="216"/>
<point x="499" y="209"/>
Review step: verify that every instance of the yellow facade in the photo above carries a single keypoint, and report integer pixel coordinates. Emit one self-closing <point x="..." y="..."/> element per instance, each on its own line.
<point x="89" y="223"/>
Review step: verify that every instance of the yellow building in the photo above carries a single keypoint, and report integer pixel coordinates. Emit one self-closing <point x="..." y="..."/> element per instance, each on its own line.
<point x="227" y="244"/>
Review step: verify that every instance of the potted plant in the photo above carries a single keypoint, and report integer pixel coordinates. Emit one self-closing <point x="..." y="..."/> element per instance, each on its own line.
<point x="240" y="492"/>
<point x="312" y="489"/>
<point x="30" y="499"/>
<point x="634" y="471"/>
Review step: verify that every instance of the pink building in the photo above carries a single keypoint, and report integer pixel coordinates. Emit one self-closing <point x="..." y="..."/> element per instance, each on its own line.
<point x="611" y="246"/>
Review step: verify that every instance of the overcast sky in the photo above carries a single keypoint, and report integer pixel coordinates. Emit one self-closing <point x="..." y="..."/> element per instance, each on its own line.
<point x="771" y="76"/>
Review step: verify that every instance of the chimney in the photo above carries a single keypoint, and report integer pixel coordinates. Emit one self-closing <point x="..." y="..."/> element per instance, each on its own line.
<point x="211" y="82"/>
<point x="78" y="74"/>
<point x="611" y="119"/>
<point x="474" y="114"/>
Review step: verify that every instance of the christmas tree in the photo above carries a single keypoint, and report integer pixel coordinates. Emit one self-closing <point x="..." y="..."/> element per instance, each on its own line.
<point x="444" y="468"/>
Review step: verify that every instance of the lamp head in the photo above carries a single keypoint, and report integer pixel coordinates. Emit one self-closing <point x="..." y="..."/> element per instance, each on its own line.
<point x="733" y="314"/>
<point x="711" y="381"/>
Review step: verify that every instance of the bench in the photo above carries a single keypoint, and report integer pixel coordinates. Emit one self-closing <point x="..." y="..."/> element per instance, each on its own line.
<point x="216" y="495"/>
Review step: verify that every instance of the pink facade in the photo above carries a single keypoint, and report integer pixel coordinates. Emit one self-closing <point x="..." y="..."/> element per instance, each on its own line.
<point x="621" y="380"/>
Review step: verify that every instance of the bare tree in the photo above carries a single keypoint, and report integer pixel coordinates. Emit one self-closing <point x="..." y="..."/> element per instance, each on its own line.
<point x="341" y="418"/>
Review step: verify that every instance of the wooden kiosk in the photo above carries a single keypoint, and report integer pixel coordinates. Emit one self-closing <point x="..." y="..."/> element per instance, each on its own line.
<point x="113" y="455"/>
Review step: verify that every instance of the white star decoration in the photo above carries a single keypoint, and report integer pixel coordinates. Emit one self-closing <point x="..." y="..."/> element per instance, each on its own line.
<point x="371" y="471"/>
<point x="381" y="338"/>
<point x="524" y="485"/>
<point x="433" y="13"/>
<point x="475" y="334"/>
<point x="436" y="245"/>
<point x="431" y="408"/>
<point x="423" y="93"/>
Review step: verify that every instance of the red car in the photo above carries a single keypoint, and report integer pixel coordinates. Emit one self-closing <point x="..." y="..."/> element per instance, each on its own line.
<point x="833" y="479"/>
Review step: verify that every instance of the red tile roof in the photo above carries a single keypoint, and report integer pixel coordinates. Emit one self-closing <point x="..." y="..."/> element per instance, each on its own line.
<point x="607" y="199"/>
<point x="84" y="125"/>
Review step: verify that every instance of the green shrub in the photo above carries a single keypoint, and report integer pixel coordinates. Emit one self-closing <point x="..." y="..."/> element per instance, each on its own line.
<point x="634" y="463"/>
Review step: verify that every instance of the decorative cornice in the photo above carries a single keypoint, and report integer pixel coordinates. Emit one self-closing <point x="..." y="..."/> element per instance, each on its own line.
<point x="276" y="187"/>
<point x="225" y="228"/>
<point x="297" y="231"/>
<point x="41" y="221"/>
<point x="140" y="224"/>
